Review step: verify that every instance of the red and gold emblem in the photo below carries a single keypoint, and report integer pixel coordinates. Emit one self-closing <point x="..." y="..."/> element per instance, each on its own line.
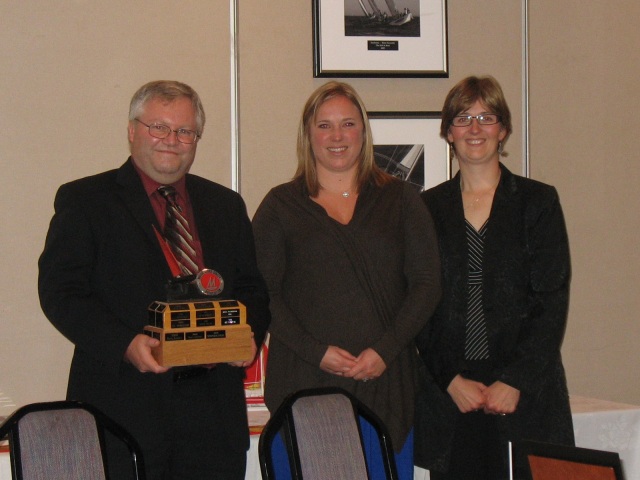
<point x="209" y="282"/>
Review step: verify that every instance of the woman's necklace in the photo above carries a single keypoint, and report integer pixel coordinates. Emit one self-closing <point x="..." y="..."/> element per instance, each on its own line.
<point x="472" y="204"/>
<point x="342" y="193"/>
<point x="476" y="197"/>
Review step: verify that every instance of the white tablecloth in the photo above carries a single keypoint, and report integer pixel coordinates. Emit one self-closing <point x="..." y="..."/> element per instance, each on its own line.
<point x="5" y="466"/>
<point x="598" y="424"/>
<point x="604" y="425"/>
<point x="253" y="462"/>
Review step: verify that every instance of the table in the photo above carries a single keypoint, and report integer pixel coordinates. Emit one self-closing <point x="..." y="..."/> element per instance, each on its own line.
<point x="598" y="424"/>
<point x="604" y="425"/>
<point x="5" y="466"/>
<point x="258" y="416"/>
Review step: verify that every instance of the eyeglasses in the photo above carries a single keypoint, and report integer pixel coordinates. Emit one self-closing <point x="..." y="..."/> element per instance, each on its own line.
<point x="183" y="135"/>
<point x="485" y="119"/>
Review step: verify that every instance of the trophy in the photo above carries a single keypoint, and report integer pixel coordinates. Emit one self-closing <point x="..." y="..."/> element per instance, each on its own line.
<point x="193" y="328"/>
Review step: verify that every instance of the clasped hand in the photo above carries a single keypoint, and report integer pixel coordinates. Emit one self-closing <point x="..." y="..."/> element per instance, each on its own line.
<point x="470" y="395"/>
<point x="366" y="366"/>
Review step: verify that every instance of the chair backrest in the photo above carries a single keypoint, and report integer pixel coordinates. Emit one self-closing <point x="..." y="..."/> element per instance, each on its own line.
<point x="321" y="431"/>
<point x="328" y="437"/>
<point x="60" y="444"/>
<point x="550" y="462"/>
<point x="62" y="440"/>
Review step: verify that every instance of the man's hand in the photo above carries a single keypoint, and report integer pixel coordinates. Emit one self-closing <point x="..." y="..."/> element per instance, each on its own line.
<point x="139" y="354"/>
<point x="247" y="363"/>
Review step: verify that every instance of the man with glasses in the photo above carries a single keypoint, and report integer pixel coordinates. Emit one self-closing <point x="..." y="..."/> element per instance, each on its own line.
<point x="103" y="265"/>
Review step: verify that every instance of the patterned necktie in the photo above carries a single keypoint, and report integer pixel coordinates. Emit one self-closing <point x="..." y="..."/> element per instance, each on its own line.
<point x="178" y="234"/>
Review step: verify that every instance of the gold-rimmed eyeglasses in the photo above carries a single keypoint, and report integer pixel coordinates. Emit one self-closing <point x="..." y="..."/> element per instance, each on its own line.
<point x="159" y="130"/>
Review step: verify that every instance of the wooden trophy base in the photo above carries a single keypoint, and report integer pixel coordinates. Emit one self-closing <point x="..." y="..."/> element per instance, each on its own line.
<point x="202" y="346"/>
<point x="197" y="332"/>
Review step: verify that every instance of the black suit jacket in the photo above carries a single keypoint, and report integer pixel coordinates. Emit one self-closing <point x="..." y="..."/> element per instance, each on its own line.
<point x="526" y="275"/>
<point x="101" y="268"/>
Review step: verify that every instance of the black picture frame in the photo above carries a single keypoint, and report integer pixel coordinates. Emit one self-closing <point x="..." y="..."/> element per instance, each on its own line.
<point x="410" y="43"/>
<point x="408" y="146"/>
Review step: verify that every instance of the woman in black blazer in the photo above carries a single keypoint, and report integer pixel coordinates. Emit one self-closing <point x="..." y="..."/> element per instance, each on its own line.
<point x="492" y="349"/>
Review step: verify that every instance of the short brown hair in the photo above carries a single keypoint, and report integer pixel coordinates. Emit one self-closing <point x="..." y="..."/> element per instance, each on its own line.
<point x="468" y="91"/>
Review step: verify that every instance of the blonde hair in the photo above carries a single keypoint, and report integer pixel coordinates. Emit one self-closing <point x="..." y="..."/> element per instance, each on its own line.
<point x="367" y="171"/>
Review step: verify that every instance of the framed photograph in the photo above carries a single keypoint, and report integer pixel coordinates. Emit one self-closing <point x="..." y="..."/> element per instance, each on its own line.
<point x="408" y="146"/>
<point x="380" y="38"/>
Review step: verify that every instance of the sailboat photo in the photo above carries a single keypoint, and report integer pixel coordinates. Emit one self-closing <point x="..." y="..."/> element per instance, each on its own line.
<point x="399" y="18"/>
<point x="394" y="17"/>
<point x="405" y="162"/>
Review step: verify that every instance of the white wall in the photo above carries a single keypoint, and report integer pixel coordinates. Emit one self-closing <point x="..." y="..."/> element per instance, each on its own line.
<point x="584" y="99"/>
<point x="68" y="69"/>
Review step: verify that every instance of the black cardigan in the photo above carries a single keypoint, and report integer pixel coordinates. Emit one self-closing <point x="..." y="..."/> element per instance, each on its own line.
<point x="526" y="275"/>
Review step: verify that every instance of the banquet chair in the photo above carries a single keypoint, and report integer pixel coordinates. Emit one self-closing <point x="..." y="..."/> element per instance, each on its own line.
<point x="63" y="440"/>
<point x="322" y="437"/>
<point x="547" y="461"/>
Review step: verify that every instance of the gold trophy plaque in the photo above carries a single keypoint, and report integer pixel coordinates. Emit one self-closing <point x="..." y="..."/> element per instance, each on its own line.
<point x="201" y="331"/>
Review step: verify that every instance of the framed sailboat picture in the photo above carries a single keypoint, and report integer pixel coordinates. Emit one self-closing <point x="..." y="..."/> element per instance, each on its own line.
<point x="380" y="38"/>
<point x="408" y="146"/>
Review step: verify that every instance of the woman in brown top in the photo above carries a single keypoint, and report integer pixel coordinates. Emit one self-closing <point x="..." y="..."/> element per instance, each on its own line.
<point x="350" y="259"/>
